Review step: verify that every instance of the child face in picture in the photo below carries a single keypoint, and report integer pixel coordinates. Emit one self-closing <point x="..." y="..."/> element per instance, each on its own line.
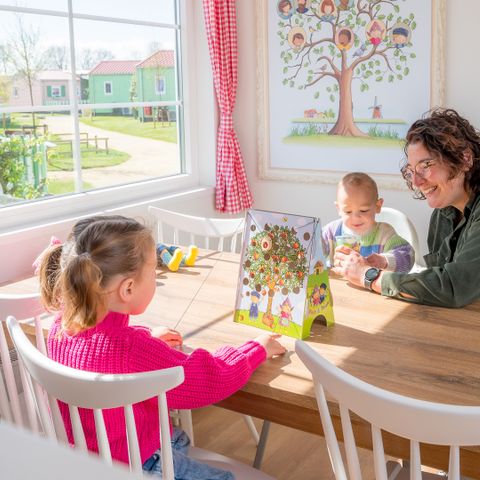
<point x="286" y="8"/>
<point x="298" y="40"/>
<point x="343" y="39"/>
<point x="357" y="207"/>
<point x="399" y="39"/>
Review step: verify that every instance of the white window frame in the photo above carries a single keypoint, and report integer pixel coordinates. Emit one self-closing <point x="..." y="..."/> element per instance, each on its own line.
<point x="161" y="78"/>
<point x="29" y="214"/>
<point x="105" y="88"/>
<point x="15" y="92"/>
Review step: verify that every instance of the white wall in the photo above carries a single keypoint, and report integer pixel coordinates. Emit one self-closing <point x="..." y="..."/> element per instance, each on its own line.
<point x="462" y="74"/>
<point x="316" y="199"/>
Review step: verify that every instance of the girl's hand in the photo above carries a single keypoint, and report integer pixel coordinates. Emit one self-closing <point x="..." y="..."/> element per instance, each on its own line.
<point x="350" y="264"/>
<point x="169" y="336"/>
<point x="270" y="343"/>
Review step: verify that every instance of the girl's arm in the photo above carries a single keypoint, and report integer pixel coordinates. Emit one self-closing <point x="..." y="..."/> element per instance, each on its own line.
<point x="209" y="377"/>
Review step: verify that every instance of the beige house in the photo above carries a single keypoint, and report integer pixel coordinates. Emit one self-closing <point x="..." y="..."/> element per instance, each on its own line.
<point x="49" y="88"/>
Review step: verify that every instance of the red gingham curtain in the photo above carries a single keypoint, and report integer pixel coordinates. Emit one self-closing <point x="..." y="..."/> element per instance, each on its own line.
<point x="232" y="193"/>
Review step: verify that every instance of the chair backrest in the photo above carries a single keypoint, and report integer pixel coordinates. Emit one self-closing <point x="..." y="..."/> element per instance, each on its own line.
<point x="81" y="389"/>
<point x="416" y="420"/>
<point x="211" y="233"/>
<point x="404" y="227"/>
<point x="26" y="455"/>
<point x="25" y="307"/>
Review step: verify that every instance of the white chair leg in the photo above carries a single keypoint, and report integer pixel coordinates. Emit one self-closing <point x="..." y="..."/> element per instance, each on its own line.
<point x="187" y="424"/>
<point x="253" y="429"/>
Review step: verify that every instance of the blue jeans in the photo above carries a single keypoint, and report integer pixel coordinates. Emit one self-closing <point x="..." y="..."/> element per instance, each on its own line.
<point x="185" y="468"/>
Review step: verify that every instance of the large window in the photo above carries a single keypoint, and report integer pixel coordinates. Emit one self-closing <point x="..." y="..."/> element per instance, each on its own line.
<point x="80" y="102"/>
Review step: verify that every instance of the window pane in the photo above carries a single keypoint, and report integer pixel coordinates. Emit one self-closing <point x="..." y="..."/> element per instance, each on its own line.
<point x="135" y="134"/>
<point x="162" y="11"/>
<point x="57" y="5"/>
<point x="35" y="160"/>
<point x="34" y="60"/>
<point x="126" y="145"/>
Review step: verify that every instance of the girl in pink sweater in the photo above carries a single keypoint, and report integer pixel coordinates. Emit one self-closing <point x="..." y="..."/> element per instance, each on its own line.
<point x="103" y="273"/>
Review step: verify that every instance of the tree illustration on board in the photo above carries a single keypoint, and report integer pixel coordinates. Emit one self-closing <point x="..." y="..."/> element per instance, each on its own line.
<point x="335" y="43"/>
<point x="275" y="261"/>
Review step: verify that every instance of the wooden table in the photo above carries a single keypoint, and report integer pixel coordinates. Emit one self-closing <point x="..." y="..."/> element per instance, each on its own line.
<point x="424" y="352"/>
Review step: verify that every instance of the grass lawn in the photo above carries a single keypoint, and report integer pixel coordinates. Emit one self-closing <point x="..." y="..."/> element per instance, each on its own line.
<point x="131" y="126"/>
<point x="325" y="140"/>
<point x="60" y="157"/>
<point x="18" y="120"/>
<point x="59" y="187"/>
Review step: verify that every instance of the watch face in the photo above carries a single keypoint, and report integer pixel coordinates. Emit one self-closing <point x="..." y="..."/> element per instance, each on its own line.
<point x="372" y="273"/>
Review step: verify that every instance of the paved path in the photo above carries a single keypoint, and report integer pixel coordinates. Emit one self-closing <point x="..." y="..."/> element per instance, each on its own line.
<point x="149" y="158"/>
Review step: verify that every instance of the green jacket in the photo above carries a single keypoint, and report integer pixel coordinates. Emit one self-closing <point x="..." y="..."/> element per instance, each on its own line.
<point x="452" y="276"/>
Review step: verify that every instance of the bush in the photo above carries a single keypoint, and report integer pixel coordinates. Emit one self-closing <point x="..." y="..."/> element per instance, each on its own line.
<point x="15" y="151"/>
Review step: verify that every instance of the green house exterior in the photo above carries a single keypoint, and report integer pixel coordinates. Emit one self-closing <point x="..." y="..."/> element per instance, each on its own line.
<point x="111" y="82"/>
<point x="155" y="81"/>
<point x="121" y="81"/>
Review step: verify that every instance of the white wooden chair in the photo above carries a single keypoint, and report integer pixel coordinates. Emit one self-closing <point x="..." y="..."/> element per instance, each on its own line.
<point x="419" y="421"/>
<point x="17" y="405"/>
<point x="26" y="455"/>
<point x="81" y="389"/>
<point x="405" y="228"/>
<point x="220" y="234"/>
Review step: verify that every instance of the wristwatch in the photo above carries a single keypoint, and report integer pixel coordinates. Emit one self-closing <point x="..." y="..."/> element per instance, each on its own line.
<point x="370" y="276"/>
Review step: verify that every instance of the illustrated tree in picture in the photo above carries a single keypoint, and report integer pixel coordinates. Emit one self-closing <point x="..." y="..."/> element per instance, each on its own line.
<point x="275" y="261"/>
<point x="333" y="44"/>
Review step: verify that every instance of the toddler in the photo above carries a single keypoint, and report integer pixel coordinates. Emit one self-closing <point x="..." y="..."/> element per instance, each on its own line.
<point x="357" y="204"/>
<point x="105" y="272"/>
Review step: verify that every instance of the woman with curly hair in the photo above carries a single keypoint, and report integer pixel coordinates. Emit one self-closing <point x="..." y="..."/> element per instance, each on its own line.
<point x="442" y="166"/>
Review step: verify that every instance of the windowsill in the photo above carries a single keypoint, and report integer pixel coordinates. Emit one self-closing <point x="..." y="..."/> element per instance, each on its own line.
<point x="19" y="246"/>
<point x="17" y="216"/>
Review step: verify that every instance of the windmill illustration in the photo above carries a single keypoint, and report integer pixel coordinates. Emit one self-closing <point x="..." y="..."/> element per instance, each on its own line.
<point x="376" y="109"/>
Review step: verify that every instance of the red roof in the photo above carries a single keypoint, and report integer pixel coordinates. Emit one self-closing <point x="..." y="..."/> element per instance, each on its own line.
<point x="115" y="67"/>
<point x="162" y="58"/>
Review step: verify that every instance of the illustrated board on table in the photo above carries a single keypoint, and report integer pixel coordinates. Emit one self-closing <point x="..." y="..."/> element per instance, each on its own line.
<point x="283" y="284"/>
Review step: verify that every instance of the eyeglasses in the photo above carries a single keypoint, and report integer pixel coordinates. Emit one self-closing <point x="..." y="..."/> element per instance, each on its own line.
<point x="422" y="169"/>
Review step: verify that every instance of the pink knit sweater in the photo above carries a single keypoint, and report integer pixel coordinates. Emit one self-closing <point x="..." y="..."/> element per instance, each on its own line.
<point x="115" y="347"/>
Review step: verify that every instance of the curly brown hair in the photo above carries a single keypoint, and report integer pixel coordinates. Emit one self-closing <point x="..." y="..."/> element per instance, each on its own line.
<point x="448" y="136"/>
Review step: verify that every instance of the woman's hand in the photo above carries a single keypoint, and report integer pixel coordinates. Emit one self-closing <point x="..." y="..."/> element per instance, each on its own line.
<point x="377" y="260"/>
<point x="350" y="264"/>
<point x="169" y="336"/>
<point x="271" y="344"/>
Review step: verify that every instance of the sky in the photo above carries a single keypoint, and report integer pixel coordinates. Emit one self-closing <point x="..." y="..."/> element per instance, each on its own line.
<point x="126" y="42"/>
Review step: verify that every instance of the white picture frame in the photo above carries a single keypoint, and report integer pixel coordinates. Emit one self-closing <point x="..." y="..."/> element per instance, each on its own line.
<point x="266" y="168"/>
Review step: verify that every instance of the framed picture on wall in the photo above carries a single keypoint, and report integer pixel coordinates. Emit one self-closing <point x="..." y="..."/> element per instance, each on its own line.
<point x="340" y="82"/>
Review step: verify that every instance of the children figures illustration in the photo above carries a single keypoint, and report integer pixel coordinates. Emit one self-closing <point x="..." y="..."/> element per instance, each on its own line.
<point x="298" y="40"/>
<point x="327" y="10"/>
<point x="285" y="9"/>
<point x="105" y="272"/>
<point x="285" y="313"/>
<point x="173" y="257"/>
<point x="344" y="39"/>
<point x="302" y="6"/>
<point x="357" y="204"/>
<point x="318" y="295"/>
<point x="400" y="36"/>
<point x="255" y="297"/>
<point x="375" y="32"/>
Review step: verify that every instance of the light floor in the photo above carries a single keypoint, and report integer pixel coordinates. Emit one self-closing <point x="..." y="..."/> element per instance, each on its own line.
<point x="290" y="454"/>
